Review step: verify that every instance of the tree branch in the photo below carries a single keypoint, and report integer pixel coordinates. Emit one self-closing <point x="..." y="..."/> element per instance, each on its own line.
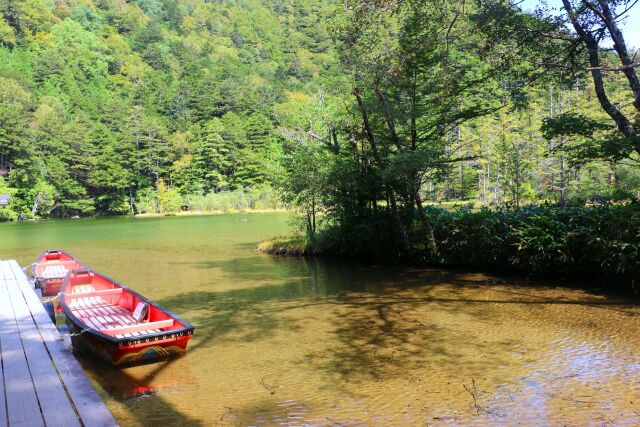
<point x="570" y="67"/>
<point x="622" y="122"/>
<point x="621" y="48"/>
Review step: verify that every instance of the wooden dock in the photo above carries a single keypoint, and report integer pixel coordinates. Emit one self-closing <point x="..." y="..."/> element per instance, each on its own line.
<point x="42" y="383"/>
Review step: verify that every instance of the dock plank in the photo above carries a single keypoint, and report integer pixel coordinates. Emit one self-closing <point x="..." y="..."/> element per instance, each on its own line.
<point x="86" y="400"/>
<point x="3" y="397"/>
<point x="54" y="403"/>
<point x="23" y="408"/>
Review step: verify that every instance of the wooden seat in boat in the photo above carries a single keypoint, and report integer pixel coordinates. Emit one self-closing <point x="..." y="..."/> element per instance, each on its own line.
<point x="94" y="310"/>
<point x="54" y="272"/>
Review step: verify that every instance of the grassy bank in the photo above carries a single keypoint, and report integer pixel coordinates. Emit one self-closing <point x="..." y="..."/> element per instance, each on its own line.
<point x="600" y="244"/>
<point x="288" y="245"/>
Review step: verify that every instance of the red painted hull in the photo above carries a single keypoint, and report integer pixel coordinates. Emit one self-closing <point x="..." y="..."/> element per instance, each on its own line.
<point x="102" y="319"/>
<point x="130" y="352"/>
<point x="50" y="286"/>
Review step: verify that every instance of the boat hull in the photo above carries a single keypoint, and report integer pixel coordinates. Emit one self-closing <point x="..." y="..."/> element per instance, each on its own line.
<point x="116" y="324"/>
<point x="134" y="351"/>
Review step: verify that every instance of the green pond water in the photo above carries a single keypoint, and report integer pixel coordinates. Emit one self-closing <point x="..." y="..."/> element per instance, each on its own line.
<point x="283" y="341"/>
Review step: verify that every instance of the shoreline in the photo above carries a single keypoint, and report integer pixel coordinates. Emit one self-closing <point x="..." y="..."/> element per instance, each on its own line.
<point x="299" y="246"/>
<point x="597" y="244"/>
<point x="153" y="215"/>
<point x="209" y="213"/>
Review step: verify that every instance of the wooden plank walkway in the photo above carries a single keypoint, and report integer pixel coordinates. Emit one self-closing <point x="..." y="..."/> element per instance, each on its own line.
<point x="42" y="383"/>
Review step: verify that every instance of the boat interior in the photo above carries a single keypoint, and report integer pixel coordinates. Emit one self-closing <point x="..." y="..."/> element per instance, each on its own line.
<point x="55" y="265"/>
<point x="104" y="306"/>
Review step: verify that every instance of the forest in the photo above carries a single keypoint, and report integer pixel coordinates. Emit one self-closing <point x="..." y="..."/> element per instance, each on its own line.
<point x="116" y="107"/>
<point x="403" y="129"/>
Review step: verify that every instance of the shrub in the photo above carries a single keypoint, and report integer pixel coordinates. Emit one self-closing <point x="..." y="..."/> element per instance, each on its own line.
<point x="597" y="241"/>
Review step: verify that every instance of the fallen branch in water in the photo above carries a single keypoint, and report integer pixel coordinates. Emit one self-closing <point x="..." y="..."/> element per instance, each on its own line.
<point x="333" y="421"/>
<point x="228" y="411"/>
<point x="473" y="391"/>
<point x="269" y="387"/>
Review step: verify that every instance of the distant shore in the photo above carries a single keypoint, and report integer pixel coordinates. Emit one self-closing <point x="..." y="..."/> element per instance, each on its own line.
<point x="209" y="213"/>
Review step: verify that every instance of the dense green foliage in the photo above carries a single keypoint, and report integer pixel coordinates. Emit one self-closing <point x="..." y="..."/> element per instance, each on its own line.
<point x="578" y="242"/>
<point x="104" y="101"/>
<point x="360" y="114"/>
<point x="598" y="243"/>
<point x="470" y="103"/>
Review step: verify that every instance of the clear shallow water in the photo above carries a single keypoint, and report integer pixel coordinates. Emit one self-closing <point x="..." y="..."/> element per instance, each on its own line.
<point x="292" y="341"/>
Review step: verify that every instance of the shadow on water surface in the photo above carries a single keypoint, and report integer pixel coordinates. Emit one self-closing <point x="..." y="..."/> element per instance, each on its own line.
<point x="376" y="323"/>
<point x="257" y="268"/>
<point x="137" y="386"/>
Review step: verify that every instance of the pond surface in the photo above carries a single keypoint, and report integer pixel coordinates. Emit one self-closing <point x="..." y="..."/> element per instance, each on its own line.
<point x="292" y="342"/>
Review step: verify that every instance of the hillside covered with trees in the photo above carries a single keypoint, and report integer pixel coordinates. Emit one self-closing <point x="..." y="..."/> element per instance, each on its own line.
<point x="115" y="107"/>
<point x="361" y="115"/>
<point x="112" y="107"/>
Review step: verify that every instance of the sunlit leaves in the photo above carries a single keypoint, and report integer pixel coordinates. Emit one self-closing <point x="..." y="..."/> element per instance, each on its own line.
<point x="572" y="124"/>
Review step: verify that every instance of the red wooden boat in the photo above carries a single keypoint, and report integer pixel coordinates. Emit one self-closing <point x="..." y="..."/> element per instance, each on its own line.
<point x="117" y="324"/>
<point x="51" y="268"/>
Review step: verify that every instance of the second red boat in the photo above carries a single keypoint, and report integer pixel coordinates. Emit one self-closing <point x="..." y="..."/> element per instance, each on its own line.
<point x="50" y="268"/>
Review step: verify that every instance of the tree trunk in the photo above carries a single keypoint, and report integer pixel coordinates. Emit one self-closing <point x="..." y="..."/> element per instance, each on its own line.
<point x="563" y="175"/>
<point x="563" y="171"/>
<point x="131" y="202"/>
<point x="313" y="215"/>
<point x="309" y="227"/>
<point x="388" y="190"/>
<point x="621" y="121"/>
<point x="414" y="189"/>
<point x="620" y="46"/>
<point x="431" y="240"/>
<point x="36" y="202"/>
